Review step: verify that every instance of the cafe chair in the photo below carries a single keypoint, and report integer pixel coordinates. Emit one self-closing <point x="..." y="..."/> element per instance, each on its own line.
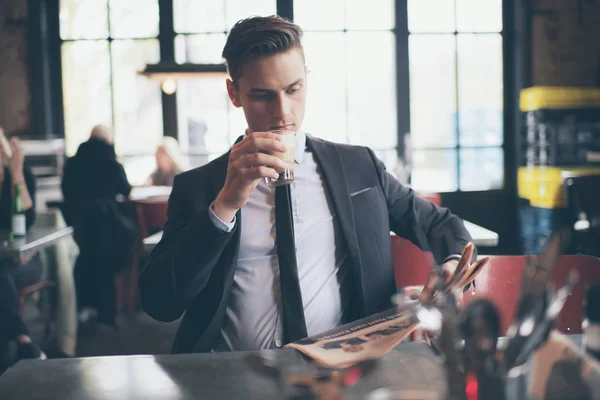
<point x="26" y="291"/>
<point x="151" y="215"/>
<point x="583" y="204"/>
<point x="411" y="264"/>
<point x="501" y="284"/>
<point x="501" y="281"/>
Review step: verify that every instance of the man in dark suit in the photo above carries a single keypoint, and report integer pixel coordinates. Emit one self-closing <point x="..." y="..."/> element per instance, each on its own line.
<point x="218" y="260"/>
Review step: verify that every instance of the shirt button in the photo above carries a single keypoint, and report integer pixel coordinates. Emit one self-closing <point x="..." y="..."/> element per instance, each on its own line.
<point x="278" y="342"/>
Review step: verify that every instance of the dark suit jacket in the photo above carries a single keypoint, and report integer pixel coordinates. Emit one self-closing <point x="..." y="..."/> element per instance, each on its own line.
<point x="191" y="270"/>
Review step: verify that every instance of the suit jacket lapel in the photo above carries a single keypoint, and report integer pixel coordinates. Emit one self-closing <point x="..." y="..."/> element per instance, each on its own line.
<point x="330" y="162"/>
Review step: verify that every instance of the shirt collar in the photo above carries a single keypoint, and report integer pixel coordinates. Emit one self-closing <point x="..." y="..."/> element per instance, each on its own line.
<point x="300" y="146"/>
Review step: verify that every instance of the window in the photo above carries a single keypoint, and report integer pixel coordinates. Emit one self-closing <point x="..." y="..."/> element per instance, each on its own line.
<point x="340" y="55"/>
<point x="455" y="75"/>
<point x="456" y="94"/>
<point x="105" y="44"/>
<point x="208" y="123"/>
<point x="350" y="55"/>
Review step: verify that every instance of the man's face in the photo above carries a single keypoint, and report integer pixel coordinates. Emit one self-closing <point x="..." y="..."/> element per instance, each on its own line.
<point x="272" y="91"/>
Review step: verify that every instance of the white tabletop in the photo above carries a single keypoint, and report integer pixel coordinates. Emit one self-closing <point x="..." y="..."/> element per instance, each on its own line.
<point x="152" y="241"/>
<point x="481" y="237"/>
<point x="145" y="192"/>
<point x="36" y="239"/>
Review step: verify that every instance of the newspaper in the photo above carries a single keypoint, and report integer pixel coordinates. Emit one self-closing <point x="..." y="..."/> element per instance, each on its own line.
<point x="373" y="336"/>
<point x="364" y="339"/>
<point x="561" y="370"/>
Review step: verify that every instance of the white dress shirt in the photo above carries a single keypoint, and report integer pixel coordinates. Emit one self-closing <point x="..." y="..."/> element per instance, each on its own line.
<point x="253" y="316"/>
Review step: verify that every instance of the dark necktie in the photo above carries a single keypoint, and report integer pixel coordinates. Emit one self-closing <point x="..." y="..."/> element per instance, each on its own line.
<point x="294" y="326"/>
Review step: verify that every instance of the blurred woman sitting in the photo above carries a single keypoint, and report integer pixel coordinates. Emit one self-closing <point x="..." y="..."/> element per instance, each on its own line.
<point x="169" y="162"/>
<point x="21" y="272"/>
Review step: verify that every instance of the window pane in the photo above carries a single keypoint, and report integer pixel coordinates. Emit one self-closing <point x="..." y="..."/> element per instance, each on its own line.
<point x="137" y="100"/>
<point x="372" y="118"/>
<point x="431" y="16"/>
<point x="239" y="9"/>
<point x="372" y="14"/>
<point x="434" y="170"/>
<point x="479" y="15"/>
<point x="201" y="48"/>
<point x="133" y="18"/>
<point x="237" y="123"/>
<point x="83" y="19"/>
<point x="481" y="169"/>
<point x="390" y="159"/>
<point x="319" y="15"/>
<point x="87" y="101"/>
<point x="138" y="168"/>
<point x="202" y="112"/>
<point x="326" y="96"/>
<point x="480" y="89"/>
<point x="432" y="90"/>
<point x="199" y="16"/>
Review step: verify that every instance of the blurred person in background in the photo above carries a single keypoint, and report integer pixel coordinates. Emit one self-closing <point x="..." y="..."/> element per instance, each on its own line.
<point x="21" y="272"/>
<point x="169" y="162"/>
<point x="92" y="180"/>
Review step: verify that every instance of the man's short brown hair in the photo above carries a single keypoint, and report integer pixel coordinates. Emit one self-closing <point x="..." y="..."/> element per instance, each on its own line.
<point x="258" y="36"/>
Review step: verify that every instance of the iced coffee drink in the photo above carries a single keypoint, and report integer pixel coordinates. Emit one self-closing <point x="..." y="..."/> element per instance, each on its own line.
<point x="288" y="138"/>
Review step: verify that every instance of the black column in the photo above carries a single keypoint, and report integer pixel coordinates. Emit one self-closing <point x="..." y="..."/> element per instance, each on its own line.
<point x="402" y="74"/>
<point x="166" y="39"/>
<point x="45" y="70"/>
<point x="285" y="9"/>
<point x="514" y="45"/>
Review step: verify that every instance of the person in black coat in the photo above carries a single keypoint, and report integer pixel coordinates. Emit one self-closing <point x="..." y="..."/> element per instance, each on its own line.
<point x="21" y="272"/>
<point x="92" y="180"/>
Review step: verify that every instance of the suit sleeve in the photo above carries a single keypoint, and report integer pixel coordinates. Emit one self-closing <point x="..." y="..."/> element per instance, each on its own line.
<point x="419" y="220"/>
<point x="181" y="264"/>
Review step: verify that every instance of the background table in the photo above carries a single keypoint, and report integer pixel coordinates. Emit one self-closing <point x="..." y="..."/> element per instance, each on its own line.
<point x="151" y="241"/>
<point x="480" y="235"/>
<point x="146" y="192"/>
<point x="37" y="238"/>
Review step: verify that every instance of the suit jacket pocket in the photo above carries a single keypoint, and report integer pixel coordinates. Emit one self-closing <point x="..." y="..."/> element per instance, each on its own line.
<point x="371" y="220"/>
<point x="365" y="190"/>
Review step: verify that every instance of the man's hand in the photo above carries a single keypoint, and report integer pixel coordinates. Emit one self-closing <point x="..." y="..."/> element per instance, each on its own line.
<point x="249" y="162"/>
<point x="431" y="284"/>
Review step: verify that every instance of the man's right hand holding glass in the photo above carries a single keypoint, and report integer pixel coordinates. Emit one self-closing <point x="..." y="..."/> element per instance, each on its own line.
<point x="249" y="162"/>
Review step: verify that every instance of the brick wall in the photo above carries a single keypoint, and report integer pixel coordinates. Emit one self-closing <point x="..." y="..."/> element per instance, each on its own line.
<point x="15" y="101"/>
<point x="565" y="42"/>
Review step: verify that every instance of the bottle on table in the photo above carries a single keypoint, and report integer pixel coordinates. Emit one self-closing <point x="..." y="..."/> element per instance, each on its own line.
<point x="18" y="227"/>
<point x="591" y="324"/>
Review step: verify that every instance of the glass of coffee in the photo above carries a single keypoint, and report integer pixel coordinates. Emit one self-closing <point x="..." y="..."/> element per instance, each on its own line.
<point x="288" y="138"/>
